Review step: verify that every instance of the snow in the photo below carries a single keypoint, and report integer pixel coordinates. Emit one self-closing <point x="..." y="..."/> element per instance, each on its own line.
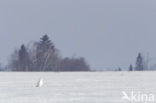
<point x="73" y="87"/>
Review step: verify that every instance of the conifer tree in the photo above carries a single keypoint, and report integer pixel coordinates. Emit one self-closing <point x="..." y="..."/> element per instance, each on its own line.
<point x="131" y="68"/>
<point x="139" y="63"/>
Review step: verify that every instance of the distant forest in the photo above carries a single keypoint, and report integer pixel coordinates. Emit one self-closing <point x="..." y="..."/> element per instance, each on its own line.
<point x="142" y="64"/>
<point x="44" y="56"/>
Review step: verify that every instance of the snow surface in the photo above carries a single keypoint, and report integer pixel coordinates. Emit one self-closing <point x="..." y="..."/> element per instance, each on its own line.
<point x="73" y="87"/>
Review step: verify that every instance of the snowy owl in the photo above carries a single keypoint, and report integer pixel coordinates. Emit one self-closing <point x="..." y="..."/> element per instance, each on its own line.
<point x="40" y="83"/>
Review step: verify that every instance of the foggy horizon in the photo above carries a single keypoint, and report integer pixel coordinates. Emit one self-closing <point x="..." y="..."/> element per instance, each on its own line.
<point x="107" y="33"/>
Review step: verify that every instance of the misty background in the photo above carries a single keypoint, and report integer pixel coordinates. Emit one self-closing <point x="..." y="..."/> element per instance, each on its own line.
<point x="108" y="33"/>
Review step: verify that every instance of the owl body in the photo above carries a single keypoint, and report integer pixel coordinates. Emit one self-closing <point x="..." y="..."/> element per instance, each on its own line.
<point x="40" y="83"/>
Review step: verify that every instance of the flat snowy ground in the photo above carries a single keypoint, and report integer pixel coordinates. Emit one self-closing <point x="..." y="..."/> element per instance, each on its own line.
<point x="74" y="87"/>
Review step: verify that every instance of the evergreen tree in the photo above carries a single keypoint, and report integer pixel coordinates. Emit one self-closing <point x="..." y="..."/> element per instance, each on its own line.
<point x="20" y="60"/>
<point x="46" y="58"/>
<point x="23" y="59"/>
<point x="46" y="43"/>
<point x="131" y="68"/>
<point x="139" y="63"/>
<point x="119" y="69"/>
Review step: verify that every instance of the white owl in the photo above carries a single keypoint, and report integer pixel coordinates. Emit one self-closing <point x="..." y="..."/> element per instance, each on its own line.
<point x="40" y="83"/>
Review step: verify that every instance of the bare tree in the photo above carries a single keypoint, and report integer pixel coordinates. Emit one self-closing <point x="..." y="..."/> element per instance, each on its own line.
<point x="74" y="64"/>
<point x="45" y="56"/>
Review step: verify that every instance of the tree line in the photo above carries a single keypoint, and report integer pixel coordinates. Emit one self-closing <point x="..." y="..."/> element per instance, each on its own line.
<point x="140" y="65"/>
<point x="43" y="56"/>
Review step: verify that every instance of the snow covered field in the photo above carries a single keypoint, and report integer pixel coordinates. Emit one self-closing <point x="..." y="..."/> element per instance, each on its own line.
<point x="74" y="87"/>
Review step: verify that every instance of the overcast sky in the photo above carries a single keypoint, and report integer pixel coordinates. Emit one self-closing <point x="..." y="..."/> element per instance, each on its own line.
<point x="108" y="33"/>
